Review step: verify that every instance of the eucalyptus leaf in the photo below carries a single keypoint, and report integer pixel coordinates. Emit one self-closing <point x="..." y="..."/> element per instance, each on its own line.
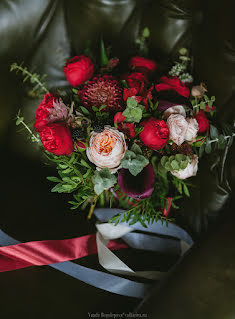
<point x="135" y="163"/>
<point x="208" y="147"/>
<point x="214" y="133"/>
<point x="103" y="180"/>
<point x="131" y="102"/>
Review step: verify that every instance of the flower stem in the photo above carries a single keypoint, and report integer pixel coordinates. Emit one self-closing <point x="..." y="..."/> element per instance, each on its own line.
<point x="34" y="137"/>
<point x="225" y="137"/>
<point x="92" y="207"/>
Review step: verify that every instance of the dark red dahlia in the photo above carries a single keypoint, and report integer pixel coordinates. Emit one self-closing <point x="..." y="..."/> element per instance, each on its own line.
<point x="102" y="90"/>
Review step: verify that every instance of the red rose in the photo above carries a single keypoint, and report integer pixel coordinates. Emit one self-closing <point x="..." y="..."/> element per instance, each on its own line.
<point x="127" y="128"/>
<point x="172" y="83"/>
<point x="202" y="121"/>
<point x="56" y="138"/>
<point x="131" y="93"/>
<point x="136" y="80"/>
<point x="78" y="70"/>
<point x="143" y="65"/>
<point x="118" y="118"/>
<point x="42" y="111"/>
<point x="155" y="134"/>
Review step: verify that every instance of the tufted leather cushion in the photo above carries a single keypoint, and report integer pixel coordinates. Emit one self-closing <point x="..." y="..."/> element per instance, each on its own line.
<point x="43" y="33"/>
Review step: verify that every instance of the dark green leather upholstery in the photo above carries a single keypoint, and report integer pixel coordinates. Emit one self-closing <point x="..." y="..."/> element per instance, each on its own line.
<point x="43" y="33"/>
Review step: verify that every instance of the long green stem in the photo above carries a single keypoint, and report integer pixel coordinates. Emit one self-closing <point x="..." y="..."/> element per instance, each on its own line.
<point x="216" y="139"/>
<point x="92" y="207"/>
<point x="34" y="137"/>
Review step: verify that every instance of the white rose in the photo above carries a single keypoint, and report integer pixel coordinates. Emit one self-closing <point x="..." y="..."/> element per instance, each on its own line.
<point x="192" y="129"/>
<point x="106" y="149"/>
<point x="190" y="170"/>
<point x="177" y="125"/>
<point x="176" y="109"/>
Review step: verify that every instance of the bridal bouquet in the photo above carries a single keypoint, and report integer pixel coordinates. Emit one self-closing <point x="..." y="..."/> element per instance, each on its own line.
<point x="125" y="139"/>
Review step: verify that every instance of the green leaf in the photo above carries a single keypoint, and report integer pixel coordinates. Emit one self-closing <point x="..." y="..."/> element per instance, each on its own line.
<point x="103" y="180"/>
<point x="84" y="110"/>
<point x="53" y="179"/>
<point x="19" y="120"/>
<point x="164" y="159"/>
<point x="208" y="147"/>
<point x="202" y="105"/>
<point x="183" y="164"/>
<point x="131" y="102"/>
<point x="102" y="107"/>
<point x="103" y="55"/>
<point x="214" y="133"/>
<point x="221" y="142"/>
<point x="168" y="166"/>
<point x="136" y="149"/>
<point x="84" y="163"/>
<point x="133" y="114"/>
<point x="135" y="163"/>
<point x="95" y="109"/>
<point x="146" y="32"/>
<point x="171" y="158"/>
<point x="175" y="165"/>
<point x="186" y="191"/>
<point x="138" y="130"/>
<point x="179" y="157"/>
<point x="124" y="83"/>
<point x="75" y="91"/>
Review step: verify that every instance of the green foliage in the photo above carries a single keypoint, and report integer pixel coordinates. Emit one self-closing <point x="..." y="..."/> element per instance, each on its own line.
<point x="134" y="161"/>
<point x="175" y="162"/>
<point x="39" y="86"/>
<point x="141" y="41"/>
<point x="103" y="56"/>
<point x="134" y="111"/>
<point x="150" y="210"/>
<point x="20" y="121"/>
<point x="217" y="139"/>
<point x="181" y="186"/>
<point x="103" y="180"/>
<point x="74" y="177"/>
<point x="202" y="103"/>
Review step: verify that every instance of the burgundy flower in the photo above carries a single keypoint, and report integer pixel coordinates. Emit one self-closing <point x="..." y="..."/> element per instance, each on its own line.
<point x="102" y="90"/>
<point x="137" y="187"/>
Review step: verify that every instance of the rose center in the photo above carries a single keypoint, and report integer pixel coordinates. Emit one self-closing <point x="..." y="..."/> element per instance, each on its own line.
<point x="105" y="143"/>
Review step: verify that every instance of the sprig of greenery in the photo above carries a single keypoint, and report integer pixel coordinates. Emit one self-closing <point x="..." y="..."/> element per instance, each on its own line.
<point x="141" y="41"/>
<point x="20" y="121"/>
<point x="201" y="103"/>
<point x="34" y="78"/>
<point x="217" y="140"/>
<point x="179" y="68"/>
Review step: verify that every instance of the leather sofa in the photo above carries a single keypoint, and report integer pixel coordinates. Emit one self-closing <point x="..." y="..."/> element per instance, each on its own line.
<point x="43" y="34"/>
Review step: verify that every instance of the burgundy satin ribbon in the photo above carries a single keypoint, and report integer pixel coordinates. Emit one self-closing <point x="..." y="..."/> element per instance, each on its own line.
<point x="39" y="253"/>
